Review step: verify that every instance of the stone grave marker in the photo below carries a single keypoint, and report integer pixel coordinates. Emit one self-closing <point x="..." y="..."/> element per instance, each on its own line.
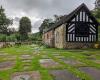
<point x="72" y="62"/>
<point x="49" y="63"/>
<point x="35" y="75"/>
<point x="26" y="56"/>
<point x="62" y="75"/>
<point x="92" y="72"/>
<point x="6" y="65"/>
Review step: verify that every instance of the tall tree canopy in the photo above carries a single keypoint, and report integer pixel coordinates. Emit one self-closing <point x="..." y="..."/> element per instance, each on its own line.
<point x="4" y="21"/>
<point x="46" y="24"/>
<point x="24" y="27"/>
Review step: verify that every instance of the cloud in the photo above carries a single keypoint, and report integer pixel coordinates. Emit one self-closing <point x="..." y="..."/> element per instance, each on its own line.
<point x="37" y="10"/>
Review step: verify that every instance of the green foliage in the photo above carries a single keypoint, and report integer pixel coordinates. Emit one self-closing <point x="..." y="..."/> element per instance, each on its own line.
<point x="4" y="21"/>
<point x="46" y="24"/>
<point x="35" y="37"/>
<point x="11" y="38"/>
<point x="97" y="13"/>
<point x="2" y="37"/>
<point x="24" y="28"/>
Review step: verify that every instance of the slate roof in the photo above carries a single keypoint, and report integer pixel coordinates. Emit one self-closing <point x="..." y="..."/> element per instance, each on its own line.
<point x="67" y="18"/>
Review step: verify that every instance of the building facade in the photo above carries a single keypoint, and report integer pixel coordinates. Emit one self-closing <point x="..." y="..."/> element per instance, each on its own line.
<point x="79" y="29"/>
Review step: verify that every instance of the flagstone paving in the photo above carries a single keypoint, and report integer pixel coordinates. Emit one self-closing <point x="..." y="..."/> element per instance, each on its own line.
<point x="7" y="65"/>
<point x="34" y="75"/>
<point x="49" y="63"/>
<point x="97" y="61"/>
<point x="26" y="56"/>
<point x="72" y="62"/>
<point x="92" y="72"/>
<point x="62" y="75"/>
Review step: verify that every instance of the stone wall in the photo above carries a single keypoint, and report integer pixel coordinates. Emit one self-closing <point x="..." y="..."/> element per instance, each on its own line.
<point x="59" y="36"/>
<point x="78" y="45"/>
<point x="48" y="38"/>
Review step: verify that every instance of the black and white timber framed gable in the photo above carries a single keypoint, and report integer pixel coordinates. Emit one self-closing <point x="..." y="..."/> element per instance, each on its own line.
<point x="81" y="26"/>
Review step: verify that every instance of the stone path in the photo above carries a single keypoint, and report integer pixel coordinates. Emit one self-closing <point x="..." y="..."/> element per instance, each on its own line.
<point x="72" y="62"/>
<point x="49" y="63"/>
<point x="94" y="73"/>
<point x="26" y="61"/>
<point x="7" y="65"/>
<point x="26" y="56"/>
<point x="62" y="75"/>
<point x="34" y="75"/>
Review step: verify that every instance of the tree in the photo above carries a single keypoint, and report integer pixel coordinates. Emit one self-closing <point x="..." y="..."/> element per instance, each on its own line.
<point x="4" y="21"/>
<point x="24" y="27"/>
<point x="46" y="24"/>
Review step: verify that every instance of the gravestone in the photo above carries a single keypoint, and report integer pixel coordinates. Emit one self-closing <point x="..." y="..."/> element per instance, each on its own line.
<point x="25" y="57"/>
<point x="49" y="63"/>
<point x="97" y="61"/>
<point x="92" y="72"/>
<point x="35" y="75"/>
<point x="62" y="75"/>
<point x="7" y="65"/>
<point x="72" y="62"/>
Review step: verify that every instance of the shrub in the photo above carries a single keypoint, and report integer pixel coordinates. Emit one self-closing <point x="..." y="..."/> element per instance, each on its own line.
<point x="2" y="37"/>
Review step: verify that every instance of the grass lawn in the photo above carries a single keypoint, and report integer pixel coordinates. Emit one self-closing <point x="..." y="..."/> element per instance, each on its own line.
<point x="86" y="58"/>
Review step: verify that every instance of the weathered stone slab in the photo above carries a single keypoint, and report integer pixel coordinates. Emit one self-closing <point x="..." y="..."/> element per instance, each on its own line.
<point x="62" y="75"/>
<point x="97" y="61"/>
<point x="3" y="54"/>
<point x="94" y="73"/>
<point x="59" y="56"/>
<point x="26" y="61"/>
<point x="72" y="62"/>
<point x="35" y="75"/>
<point x="10" y="57"/>
<point x="49" y="63"/>
<point x="44" y="56"/>
<point x="7" y="65"/>
<point x="90" y="58"/>
<point x="26" y="56"/>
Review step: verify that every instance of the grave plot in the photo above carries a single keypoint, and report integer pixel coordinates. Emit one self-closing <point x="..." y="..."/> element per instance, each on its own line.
<point x="49" y="63"/>
<point x="7" y="65"/>
<point x="62" y="75"/>
<point x="26" y="56"/>
<point x="97" y="61"/>
<point x="92" y="72"/>
<point x="26" y="63"/>
<point x="59" y="56"/>
<point x="91" y="57"/>
<point x="10" y="57"/>
<point x="72" y="62"/>
<point x="2" y="54"/>
<point x="35" y="75"/>
<point x="45" y="56"/>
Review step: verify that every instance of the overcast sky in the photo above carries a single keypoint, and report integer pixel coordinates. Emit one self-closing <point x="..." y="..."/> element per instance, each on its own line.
<point x="37" y="10"/>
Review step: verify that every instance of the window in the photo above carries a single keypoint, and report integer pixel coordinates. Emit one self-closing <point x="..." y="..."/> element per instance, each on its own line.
<point x="81" y="29"/>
